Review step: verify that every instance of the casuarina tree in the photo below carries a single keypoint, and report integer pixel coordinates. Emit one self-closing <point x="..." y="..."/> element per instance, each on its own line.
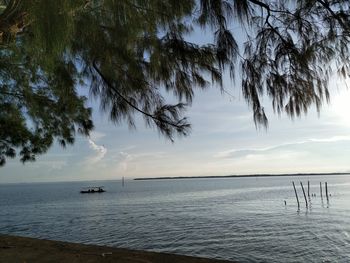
<point x="130" y="53"/>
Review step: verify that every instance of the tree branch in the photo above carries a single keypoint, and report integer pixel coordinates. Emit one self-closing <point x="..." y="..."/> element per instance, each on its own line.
<point x="269" y="10"/>
<point x="149" y="115"/>
<point x="326" y="5"/>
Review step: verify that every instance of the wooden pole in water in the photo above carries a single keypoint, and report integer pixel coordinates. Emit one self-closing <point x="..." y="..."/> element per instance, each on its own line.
<point x="302" y="187"/>
<point x="296" y="195"/>
<point x="321" y="189"/>
<point x="308" y="189"/>
<point x="326" y="191"/>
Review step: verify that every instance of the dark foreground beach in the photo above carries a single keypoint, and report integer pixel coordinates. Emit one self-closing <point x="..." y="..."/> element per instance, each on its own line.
<point x="23" y="249"/>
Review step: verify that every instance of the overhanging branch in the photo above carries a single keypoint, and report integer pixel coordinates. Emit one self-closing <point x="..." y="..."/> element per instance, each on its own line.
<point x="147" y="114"/>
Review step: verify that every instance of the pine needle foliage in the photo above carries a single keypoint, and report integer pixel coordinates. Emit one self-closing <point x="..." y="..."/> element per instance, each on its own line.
<point x="129" y="52"/>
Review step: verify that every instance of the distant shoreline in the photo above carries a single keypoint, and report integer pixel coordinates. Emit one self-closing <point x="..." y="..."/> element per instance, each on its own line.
<point x="235" y="176"/>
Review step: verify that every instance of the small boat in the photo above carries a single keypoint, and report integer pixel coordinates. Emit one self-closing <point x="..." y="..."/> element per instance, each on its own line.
<point x="92" y="189"/>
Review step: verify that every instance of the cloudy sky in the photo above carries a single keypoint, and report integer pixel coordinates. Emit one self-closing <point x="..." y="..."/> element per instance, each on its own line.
<point x="223" y="141"/>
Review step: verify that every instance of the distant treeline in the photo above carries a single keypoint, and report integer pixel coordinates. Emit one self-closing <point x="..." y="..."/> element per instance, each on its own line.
<point x="238" y="176"/>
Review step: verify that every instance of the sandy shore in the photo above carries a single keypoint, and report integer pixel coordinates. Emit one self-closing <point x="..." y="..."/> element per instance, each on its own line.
<point x="22" y="249"/>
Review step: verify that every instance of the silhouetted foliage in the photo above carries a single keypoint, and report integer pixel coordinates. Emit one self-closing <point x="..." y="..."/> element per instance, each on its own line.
<point x="130" y="52"/>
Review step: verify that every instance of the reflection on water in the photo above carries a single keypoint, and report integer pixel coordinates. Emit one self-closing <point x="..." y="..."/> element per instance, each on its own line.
<point x="243" y="219"/>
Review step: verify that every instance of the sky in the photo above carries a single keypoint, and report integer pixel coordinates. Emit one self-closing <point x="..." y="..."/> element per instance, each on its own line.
<point x="223" y="141"/>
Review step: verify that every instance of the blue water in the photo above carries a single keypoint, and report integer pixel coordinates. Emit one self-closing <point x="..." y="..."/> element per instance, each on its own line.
<point x="240" y="219"/>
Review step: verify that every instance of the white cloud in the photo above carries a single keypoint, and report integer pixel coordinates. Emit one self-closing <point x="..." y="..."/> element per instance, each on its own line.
<point x="125" y="159"/>
<point x="100" y="152"/>
<point x="96" y="136"/>
<point x="136" y="158"/>
<point x="331" y="139"/>
<point x="237" y="153"/>
<point x="57" y="165"/>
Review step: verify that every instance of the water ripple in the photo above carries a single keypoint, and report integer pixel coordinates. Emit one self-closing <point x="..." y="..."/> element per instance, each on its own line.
<point x="236" y="219"/>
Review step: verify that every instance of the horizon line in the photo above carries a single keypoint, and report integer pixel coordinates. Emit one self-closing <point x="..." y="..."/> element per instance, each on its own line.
<point x="181" y="177"/>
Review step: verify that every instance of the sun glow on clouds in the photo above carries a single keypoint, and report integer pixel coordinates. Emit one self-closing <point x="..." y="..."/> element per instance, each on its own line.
<point x="340" y="104"/>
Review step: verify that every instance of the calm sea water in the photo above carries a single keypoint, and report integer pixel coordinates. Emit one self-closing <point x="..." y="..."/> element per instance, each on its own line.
<point x="241" y="219"/>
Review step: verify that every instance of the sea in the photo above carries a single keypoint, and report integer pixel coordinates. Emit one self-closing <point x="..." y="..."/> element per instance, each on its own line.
<point x="250" y="219"/>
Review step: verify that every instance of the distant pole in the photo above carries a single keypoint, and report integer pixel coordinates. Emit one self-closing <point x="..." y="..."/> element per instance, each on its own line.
<point x="326" y="191"/>
<point x="321" y="190"/>
<point x="302" y="187"/>
<point x="123" y="181"/>
<point x="296" y="195"/>
<point x="308" y="189"/>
